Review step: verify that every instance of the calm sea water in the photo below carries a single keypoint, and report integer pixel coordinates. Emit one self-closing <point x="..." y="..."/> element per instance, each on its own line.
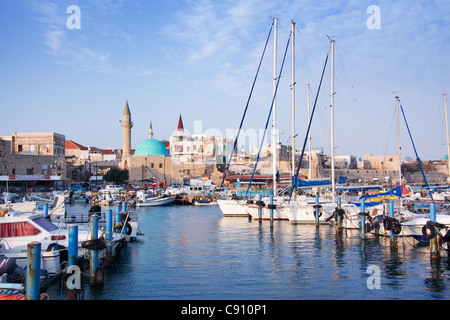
<point x="194" y="253"/>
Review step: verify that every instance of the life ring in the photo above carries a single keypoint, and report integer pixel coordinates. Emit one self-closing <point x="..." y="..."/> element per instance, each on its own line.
<point x="428" y="231"/>
<point x="271" y="206"/>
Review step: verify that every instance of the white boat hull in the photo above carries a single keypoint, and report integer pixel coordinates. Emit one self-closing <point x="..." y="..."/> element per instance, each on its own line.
<point x="233" y="208"/>
<point x="304" y="213"/>
<point x="156" y="202"/>
<point x="266" y="214"/>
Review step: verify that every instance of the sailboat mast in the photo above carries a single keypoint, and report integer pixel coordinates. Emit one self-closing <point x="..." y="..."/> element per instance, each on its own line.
<point x="448" y="139"/>
<point x="309" y="135"/>
<point x="274" y="119"/>
<point x="293" y="97"/>
<point x="399" y="149"/>
<point x="333" y="183"/>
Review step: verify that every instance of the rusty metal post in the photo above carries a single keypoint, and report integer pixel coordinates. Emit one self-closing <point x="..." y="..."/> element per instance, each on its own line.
<point x="434" y="244"/>
<point x="33" y="286"/>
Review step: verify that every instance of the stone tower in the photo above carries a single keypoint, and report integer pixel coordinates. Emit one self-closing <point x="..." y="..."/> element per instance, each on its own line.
<point x="126" y="125"/>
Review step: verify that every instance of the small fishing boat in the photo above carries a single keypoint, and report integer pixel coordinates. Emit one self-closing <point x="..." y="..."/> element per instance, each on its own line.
<point x="142" y="200"/>
<point x="205" y="202"/>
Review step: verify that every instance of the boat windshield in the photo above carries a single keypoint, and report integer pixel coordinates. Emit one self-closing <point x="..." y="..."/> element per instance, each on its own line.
<point x="44" y="223"/>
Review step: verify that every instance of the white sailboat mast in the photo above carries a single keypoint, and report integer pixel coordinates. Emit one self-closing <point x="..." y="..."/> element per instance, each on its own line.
<point x="309" y="138"/>
<point x="448" y="139"/>
<point x="274" y="119"/>
<point x="399" y="149"/>
<point x="333" y="183"/>
<point x="293" y="97"/>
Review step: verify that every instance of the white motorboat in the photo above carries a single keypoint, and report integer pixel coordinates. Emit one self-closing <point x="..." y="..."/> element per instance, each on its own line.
<point x="17" y="229"/>
<point x="143" y="200"/>
<point x="416" y="227"/>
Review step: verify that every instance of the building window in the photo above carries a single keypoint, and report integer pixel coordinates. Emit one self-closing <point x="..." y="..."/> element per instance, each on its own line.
<point x="30" y="171"/>
<point x="160" y="165"/>
<point x="152" y="165"/>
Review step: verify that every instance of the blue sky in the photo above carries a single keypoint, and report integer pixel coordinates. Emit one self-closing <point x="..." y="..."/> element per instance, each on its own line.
<point x="198" y="59"/>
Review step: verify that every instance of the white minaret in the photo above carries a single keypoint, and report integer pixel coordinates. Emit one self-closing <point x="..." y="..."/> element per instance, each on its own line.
<point x="126" y="125"/>
<point x="150" y="131"/>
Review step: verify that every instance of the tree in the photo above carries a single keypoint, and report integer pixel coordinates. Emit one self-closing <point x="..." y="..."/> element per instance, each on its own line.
<point x="116" y="176"/>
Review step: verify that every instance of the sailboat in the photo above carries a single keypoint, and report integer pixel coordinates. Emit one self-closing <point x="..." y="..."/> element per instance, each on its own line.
<point x="301" y="210"/>
<point x="235" y="206"/>
<point x="273" y="208"/>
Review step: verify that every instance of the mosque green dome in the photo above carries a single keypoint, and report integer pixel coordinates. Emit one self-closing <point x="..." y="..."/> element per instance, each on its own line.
<point x="151" y="147"/>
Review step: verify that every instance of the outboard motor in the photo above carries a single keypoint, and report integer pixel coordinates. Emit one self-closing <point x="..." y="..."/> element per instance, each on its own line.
<point x="9" y="266"/>
<point x="375" y="223"/>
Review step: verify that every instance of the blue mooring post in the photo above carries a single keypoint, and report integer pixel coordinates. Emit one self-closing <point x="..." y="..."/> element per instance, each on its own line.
<point x="259" y="208"/>
<point x="73" y="244"/>
<point x="33" y="286"/>
<point x="124" y="206"/>
<point x="363" y="218"/>
<point x="434" y="245"/>
<point x="316" y="212"/>
<point x="117" y="215"/>
<point x="271" y="209"/>
<point x="73" y="255"/>
<point x="391" y="214"/>
<point x="46" y="210"/>
<point x="94" y="253"/>
<point x="109" y="229"/>
<point x="339" y="216"/>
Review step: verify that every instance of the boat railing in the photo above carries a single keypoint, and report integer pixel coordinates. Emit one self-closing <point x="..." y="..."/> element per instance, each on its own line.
<point x="4" y="243"/>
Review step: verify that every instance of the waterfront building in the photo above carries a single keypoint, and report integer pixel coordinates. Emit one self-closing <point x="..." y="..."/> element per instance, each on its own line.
<point x="32" y="161"/>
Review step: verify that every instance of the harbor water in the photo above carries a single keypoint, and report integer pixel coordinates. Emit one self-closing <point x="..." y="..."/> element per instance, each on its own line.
<point x="194" y="253"/>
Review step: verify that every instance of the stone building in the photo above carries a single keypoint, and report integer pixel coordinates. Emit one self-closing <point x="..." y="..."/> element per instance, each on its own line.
<point x="32" y="161"/>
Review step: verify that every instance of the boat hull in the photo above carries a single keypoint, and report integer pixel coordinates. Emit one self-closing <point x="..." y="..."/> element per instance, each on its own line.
<point x="233" y="208"/>
<point x="157" y="202"/>
<point x="266" y="214"/>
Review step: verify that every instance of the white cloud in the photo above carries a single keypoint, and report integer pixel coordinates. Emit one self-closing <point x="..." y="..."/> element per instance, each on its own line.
<point x="54" y="39"/>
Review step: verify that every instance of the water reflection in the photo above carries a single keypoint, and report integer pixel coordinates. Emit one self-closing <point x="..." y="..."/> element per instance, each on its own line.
<point x="196" y="253"/>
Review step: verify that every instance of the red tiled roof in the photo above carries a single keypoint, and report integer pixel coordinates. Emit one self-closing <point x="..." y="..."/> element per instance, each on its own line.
<point x="73" y="145"/>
